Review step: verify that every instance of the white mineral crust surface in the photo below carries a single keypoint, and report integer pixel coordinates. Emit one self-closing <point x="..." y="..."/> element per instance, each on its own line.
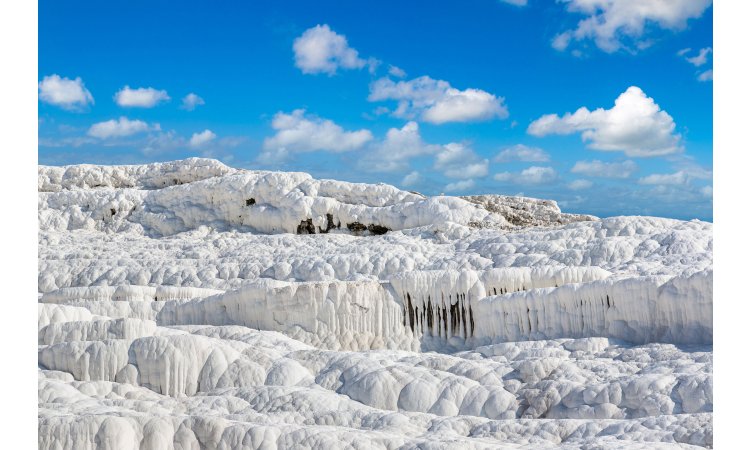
<point x="190" y="305"/>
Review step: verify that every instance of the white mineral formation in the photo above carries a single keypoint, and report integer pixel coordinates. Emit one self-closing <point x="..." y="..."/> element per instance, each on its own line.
<point x="189" y="305"/>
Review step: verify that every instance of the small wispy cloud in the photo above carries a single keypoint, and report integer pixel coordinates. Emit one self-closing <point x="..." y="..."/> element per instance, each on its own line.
<point x="707" y="75"/>
<point x="580" y="184"/>
<point x="458" y="160"/>
<point x="523" y="153"/>
<point x="459" y="186"/>
<point x="117" y="128"/>
<point x="531" y="175"/>
<point x="192" y="101"/>
<point x="613" y="170"/>
<point x="201" y="139"/>
<point x="140" y="97"/>
<point x="411" y="179"/>
<point x="700" y="59"/>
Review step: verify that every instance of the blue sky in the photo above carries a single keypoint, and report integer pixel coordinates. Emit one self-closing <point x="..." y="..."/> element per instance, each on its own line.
<point x="480" y="96"/>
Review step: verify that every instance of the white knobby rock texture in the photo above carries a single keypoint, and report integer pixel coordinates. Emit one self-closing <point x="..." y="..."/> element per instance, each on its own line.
<point x="188" y="304"/>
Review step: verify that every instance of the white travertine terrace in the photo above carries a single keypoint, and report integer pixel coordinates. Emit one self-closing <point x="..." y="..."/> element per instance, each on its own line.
<point x="191" y="305"/>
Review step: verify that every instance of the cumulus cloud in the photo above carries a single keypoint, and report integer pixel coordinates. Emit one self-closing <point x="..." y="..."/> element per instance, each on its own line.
<point x="636" y="125"/>
<point x="121" y="127"/>
<point x="602" y="169"/>
<point x="411" y="179"/>
<point x="64" y="92"/>
<point x="436" y="101"/>
<point x="531" y="175"/>
<point x="202" y="138"/>
<point x="140" y="98"/>
<point x="321" y="50"/>
<point x="580" y="184"/>
<point x="301" y="132"/>
<point x="191" y="101"/>
<point x="393" y="153"/>
<point x="522" y="153"/>
<point x="624" y="24"/>
<point x="457" y="160"/>
<point x="459" y="186"/>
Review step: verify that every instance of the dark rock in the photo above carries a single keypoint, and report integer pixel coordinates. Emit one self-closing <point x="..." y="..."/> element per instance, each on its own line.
<point x="306" y="227"/>
<point x="356" y="227"/>
<point x="250" y="202"/>
<point x="378" y="229"/>
<point x="329" y="224"/>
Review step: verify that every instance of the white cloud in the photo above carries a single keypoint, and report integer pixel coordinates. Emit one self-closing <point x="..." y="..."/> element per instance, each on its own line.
<point x="457" y="160"/>
<point x="667" y="179"/>
<point x="191" y="101"/>
<point x="462" y="185"/>
<point x="411" y="179"/>
<point x="393" y="153"/>
<point x="602" y="169"/>
<point x="300" y="132"/>
<point x="701" y="58"/>
<point x="140" y="98"/>
<point x="515" y="2"/>
<point x="435" y="101"/>
<point x="708" y="75"/>
<point x="64" y="92"/>
<point x="694" y="170"/>
<point x="681" y="177"/>
<point x="202" y="138"/>
<point x="121" y="127"/>
<point x="169" y="141"/>
<point x="531" y="175"/>
<point x="163" y="142"/>
<point x="561" y="41"/>
<point x="707" y="191"/>
<point x="580" y="184"/>
<point x="636" y="125"/>
<point x="396" y="72"/>
<point x="618" y="24"/>
<point x="522" y="153"/>
<point x="322" y="50"/>
<point x="477" y="169"/>
<point x="75" y="141"/>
